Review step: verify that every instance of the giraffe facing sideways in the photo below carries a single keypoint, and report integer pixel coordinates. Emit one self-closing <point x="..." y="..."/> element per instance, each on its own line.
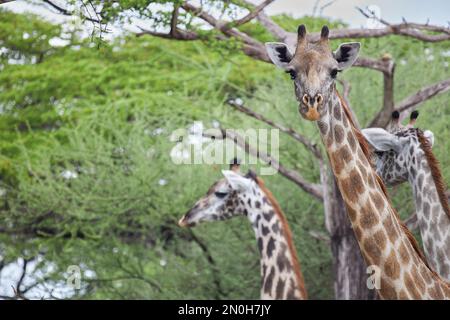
<point x="385" y="243"/>
<point x="404" y="154"/>
<point x="236" y="195"/>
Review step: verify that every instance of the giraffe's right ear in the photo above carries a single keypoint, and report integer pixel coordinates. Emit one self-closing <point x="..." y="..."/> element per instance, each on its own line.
<point x="236" y="181"/>
<point x="381" y="140"/>
<point x="279" y="54"/>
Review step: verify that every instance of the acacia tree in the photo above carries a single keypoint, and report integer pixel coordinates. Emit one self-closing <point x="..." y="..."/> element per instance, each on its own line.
<point x="224" y="21"/>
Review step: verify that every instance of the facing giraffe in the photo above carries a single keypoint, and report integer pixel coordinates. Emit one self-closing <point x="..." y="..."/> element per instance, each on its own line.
<point x="404" y="154"/>
<point x="281" y="277"/>
<point x="384" y="241"/>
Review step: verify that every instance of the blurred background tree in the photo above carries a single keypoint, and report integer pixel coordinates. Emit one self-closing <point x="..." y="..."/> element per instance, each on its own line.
<point x="86" y="176"/>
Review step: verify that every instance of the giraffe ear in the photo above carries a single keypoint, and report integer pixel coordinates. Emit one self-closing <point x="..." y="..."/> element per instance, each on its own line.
<point x="429" y="136"/>
<point x="236" y="181"/>
<point x="346" y="54"/>
<point x="381" y="140"/>
<point x="279" y="54"/>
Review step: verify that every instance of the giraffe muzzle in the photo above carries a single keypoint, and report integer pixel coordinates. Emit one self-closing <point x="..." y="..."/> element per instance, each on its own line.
<point x="182" y="222"/>
<point x="309" y="107"/>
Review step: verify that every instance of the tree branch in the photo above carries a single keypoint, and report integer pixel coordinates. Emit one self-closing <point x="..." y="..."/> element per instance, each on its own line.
<point x="252" y="14"/>
<point x="420" y="96"/>
<point x="289" y="131"/>
<point x="174" y="20"/>
<point x="383" y="116"/>
<point x="345" y="95"/>
<point x="320" y="236"/>
<point x="68" y="13"/>
<point x="278" y="32"/>
<point x="178" y="35"/>
<point x="411" y="29"/>
<point x="313" y="189"/>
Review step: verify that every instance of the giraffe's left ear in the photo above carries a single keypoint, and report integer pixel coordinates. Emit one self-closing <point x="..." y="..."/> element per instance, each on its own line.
<point x="429" y="136"/>
<point x="381" y="140"/>
<point x="279" y="53"/>
<point x="236" y="181"/>
<point x="346" y="54"/>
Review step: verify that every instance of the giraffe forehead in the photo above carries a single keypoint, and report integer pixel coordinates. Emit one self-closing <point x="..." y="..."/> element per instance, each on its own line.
<point x="221" y="185"/>
<point x="313" y="60"/>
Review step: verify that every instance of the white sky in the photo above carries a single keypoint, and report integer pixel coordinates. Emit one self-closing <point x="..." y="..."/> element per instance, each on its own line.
<point x="437" y="11"/>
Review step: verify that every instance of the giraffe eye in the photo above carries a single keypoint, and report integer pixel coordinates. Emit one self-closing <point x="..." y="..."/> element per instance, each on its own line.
<point x="293" y="74"/>
<point x="334" y="73"/>
<point x="220" y="194"/>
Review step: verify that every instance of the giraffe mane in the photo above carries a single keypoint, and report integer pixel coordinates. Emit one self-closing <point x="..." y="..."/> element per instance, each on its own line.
<point x="366" y="150"/>
<point x="287" y="234"/>
<point x="433" y="163"/>
<point x="362" y="141"/>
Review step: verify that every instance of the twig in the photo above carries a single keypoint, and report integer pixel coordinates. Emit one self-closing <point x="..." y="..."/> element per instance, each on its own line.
<point x="320" y="236"/>
<point x="68" y="13"/>
<point x="291" y="132"/>
<point x="326" y="5"/>
<point x="250" y="16"/>
<point x="316" y="190"/>
<point x="279" y="33"/>
<point x="420" y="96"/>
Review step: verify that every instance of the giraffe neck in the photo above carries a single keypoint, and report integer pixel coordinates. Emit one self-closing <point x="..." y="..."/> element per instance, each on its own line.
<point x="434" y="223"/>
<point x="383" y="240"/>
<point x="281" y="277"/>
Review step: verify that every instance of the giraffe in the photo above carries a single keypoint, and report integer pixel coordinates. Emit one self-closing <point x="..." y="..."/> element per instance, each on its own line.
<point x="404" y="154"/>
<point x="238" y="195"/>
<point x="386" y="244"/>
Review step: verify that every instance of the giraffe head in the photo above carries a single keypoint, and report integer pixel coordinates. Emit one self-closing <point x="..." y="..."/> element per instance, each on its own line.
<point x="397" y="150"/>
<point x="313" y="68"/>
<point x="229" y="197"/>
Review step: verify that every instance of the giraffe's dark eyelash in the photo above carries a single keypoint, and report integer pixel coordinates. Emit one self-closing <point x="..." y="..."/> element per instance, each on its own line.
<point x="334" y="72"/>
<point x="220" y="194"/>
<point x="293" y="74"/>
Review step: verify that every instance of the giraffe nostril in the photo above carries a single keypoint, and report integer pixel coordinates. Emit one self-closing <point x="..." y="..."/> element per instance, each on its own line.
<point x="305" y="99"/>
<point x="319" y="98"/>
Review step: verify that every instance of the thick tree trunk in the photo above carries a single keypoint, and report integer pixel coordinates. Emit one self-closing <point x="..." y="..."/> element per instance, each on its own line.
<point x="349" y="267"/>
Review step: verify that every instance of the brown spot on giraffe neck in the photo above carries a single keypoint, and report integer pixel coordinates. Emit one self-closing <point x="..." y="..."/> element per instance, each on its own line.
<point x="377" y="201"/>
<point x="340" y="158"/>
<point x="411" y="286"/>
<point x="404" y="254"/>
<point x="371" y="251"/>
<point x="387" y="290"/>
<point x="337" y="111"/>
<point x="380" y="239"/>
<point x="391" y="266"/>
<point x="368" y="216"/>
<point x="339" y="134"/>
<point x="352" y="187"/>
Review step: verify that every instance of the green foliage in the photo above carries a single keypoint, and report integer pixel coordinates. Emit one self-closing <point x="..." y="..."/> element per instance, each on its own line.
<point x="25" y="37"/>
<point x="106" y="115"/>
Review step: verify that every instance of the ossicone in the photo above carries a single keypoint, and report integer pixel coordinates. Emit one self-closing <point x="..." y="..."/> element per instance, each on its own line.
<point x="324" y="33"/>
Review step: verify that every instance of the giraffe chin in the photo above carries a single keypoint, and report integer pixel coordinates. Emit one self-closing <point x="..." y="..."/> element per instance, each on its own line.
<point x="312" y="114"/>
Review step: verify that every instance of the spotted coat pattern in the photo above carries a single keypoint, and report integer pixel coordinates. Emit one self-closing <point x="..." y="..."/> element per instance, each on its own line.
<point x="434" y="223"/>
<point x="383" y="240"/>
